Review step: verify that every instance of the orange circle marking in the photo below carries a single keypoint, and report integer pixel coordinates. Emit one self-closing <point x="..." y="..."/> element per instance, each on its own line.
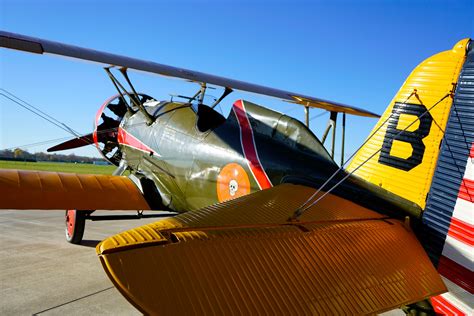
<point x="232" y="182"/>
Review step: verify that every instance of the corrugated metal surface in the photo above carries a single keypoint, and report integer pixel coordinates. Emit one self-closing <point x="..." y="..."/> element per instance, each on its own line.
<point x="448" y="230"/>
<point x="243" y="257"/>
<point x="276" y="199"/>
<point x="432" y="80"/>
<point x="455" y="151"/>
<point x="22" y="189"/>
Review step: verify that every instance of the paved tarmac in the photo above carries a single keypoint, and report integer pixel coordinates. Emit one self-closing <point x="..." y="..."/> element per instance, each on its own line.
<point x="42" y="274"/>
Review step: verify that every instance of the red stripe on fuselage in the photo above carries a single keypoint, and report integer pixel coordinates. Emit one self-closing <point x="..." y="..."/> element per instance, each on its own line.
<point x="466" y="191"/>
<point x="127" y="139"/>
<point x="444" y="307"/>
<point x="462" y="231"/>
<point x="248" y="145"/>
<point x="456" y="273"/>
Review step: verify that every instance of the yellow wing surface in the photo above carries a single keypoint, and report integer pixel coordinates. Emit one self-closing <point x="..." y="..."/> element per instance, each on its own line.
<point x="244" y="257"/>
<point x="22" y="189"/>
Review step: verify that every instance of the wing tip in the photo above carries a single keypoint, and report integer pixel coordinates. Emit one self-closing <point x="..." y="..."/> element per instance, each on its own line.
<point x="19" y="42"/>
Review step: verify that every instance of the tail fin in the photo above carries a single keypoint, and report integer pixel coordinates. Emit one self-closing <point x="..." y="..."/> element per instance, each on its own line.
<point x="431" y="164"/>
<point x="408" y="138"/>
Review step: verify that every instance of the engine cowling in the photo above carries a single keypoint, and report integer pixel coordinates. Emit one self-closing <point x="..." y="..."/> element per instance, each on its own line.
<point x="107" y="122"/>
<point x="106" y="127"/>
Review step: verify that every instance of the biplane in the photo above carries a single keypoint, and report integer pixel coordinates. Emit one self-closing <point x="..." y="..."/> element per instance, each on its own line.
<point x="266" y="222"/>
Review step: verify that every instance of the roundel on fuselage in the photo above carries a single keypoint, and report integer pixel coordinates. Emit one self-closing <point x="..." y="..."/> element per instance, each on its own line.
<point x="232" y="182"/>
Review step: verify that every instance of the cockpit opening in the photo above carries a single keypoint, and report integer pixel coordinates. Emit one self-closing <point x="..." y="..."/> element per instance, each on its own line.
<point x="208" y="118"/>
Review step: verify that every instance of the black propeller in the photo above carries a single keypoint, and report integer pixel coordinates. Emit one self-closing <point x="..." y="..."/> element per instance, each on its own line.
<point x="106" y="131"/>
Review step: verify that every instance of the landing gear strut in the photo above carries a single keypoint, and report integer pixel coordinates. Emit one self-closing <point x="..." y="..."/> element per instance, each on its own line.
<point x="76" y="221"/>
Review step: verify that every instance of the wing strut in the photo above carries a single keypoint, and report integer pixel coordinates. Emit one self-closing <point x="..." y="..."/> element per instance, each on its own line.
<point x="315" y="198"/>
<point x="133" y="98"/>
<point x="227" y="91"/>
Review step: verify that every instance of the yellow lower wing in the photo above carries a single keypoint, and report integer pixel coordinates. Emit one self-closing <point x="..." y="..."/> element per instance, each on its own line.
<point x="243" y="257"/>
<point x="22" y="189"/>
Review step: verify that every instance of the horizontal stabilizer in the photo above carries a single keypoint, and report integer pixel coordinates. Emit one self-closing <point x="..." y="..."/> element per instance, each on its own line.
<point x="41" y="46"/>
<point x="23" y="189"/>
<point x="244" y="257"/>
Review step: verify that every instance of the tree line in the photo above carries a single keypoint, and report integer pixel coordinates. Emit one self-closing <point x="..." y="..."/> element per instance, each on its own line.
<point x="23" y="155"/>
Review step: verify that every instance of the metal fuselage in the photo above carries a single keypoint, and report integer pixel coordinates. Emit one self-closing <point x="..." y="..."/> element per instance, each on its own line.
<point x="197" y="158"/>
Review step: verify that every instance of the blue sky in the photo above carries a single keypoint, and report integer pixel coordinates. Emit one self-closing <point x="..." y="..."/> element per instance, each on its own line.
<point x="354" y="52"/>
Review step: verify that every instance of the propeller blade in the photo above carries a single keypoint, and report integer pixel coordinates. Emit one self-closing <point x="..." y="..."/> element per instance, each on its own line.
<point x="108" y="123"/>
<point x="73" y="143"/>
<point x="118" y="109"/>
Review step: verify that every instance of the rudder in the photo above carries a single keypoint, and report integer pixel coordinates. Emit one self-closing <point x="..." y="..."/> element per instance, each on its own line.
<point x="423" y="150"/>
<point x="405" y="141"/>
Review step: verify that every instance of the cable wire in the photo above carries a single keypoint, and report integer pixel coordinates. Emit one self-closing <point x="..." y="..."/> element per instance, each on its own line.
<point x="306" y="205"/>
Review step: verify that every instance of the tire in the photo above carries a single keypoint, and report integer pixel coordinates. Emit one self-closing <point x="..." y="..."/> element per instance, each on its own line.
<point x="75" y="223"/>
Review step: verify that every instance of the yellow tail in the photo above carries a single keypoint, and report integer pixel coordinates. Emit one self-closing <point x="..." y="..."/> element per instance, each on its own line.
<point x="405" y="141"/>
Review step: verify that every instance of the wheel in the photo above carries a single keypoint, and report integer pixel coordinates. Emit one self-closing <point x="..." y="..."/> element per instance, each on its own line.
<point x="75" y="224"/>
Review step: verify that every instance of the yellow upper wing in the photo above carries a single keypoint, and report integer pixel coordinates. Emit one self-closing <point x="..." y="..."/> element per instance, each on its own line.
<point x="21" y="189"/>
<point x="243" y="257"/>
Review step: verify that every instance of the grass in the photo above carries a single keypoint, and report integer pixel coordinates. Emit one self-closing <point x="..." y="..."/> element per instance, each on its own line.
<point x="57" y="166"/>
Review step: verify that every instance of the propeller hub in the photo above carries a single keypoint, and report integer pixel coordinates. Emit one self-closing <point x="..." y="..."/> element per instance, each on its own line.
<point x="106" y="125"/>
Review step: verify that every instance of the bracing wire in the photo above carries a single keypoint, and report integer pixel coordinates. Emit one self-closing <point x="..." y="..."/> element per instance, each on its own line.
<point x="341" y="168"/>
<point x="50" y="119"/>
<point x="38" y="112"/>
<point x="317" y="115"/>
<point x="45" y="142"/>
<point x="306" y="205"/>
<point x="35" y="110"/>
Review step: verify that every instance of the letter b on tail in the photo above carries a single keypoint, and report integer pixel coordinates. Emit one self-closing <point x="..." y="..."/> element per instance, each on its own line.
<point x="412" y="137"/>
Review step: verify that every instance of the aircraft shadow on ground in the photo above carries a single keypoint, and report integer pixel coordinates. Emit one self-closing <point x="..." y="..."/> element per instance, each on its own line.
<point x="89" y="243"/>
